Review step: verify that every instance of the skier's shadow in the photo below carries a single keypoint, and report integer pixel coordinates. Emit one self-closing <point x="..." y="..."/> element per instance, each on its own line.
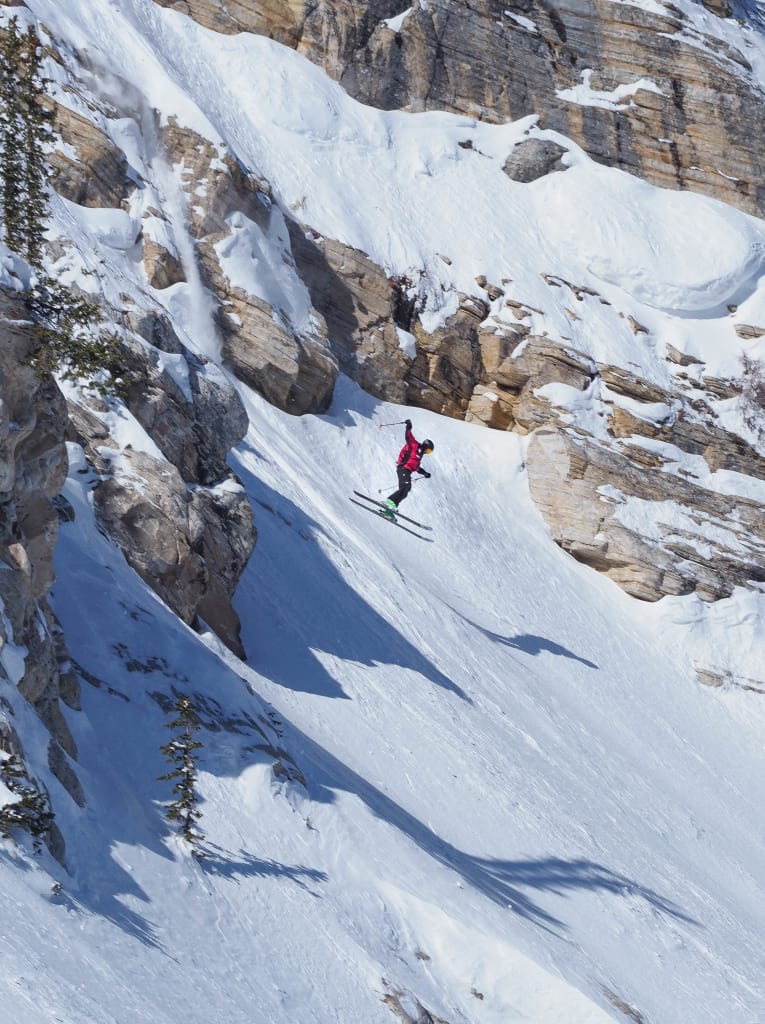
<point x="530" y="643"/>
<point x="311" y="621"/>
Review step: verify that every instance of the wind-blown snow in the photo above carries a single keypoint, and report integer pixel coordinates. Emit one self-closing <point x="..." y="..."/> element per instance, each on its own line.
<point x="518" y="803"/>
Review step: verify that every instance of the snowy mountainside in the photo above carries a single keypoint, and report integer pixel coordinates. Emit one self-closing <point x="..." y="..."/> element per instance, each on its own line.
<point x="460" y="781"/>
<point x="654" y="272"/>
<point x="511" y="791"/>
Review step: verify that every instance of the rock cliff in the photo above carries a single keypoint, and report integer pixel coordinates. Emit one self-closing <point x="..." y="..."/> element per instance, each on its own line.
<point x="644" y="89"/>
<point x="33" y="658"/>
<point x="287" y="309"/>
<point x="496" y="358"/>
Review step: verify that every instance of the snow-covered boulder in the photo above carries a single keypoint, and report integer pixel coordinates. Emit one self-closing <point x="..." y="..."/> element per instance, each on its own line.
<point x="533" y="158"/>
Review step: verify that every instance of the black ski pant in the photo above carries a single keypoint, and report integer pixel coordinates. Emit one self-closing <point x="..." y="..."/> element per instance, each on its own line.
<point x="404" y="485"/>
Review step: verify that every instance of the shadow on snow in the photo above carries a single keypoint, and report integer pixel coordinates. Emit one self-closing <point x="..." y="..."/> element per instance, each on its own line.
<point x="309" y="612"/>
<point x="502" y="881"/>
<point x="220" y="862"/>
<point x="530" y="643"/>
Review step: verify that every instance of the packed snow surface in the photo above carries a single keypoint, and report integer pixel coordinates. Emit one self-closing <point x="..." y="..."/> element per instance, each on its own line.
<point x="457" y="771"/>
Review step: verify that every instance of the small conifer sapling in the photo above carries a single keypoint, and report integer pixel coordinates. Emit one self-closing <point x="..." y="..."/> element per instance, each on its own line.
<point x="180" y="752"/>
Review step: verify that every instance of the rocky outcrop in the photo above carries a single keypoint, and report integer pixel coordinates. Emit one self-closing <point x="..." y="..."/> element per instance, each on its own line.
<point x="277" y="19"/>
<point x="33" y="466"/>
<point x="183" y="521"/>
<point x="654" y="533"/>
<point x="189" y="545"/>
<point x="364" y="311"/>
<point x="188" y="407"/>
<point x="448" y="364"/>
<point x="641" y="89"/>
<point x="281" y="352"/>
<point x="296" y="374"/>
<point x="163" y="268"/>
<point x="88" y="169"/>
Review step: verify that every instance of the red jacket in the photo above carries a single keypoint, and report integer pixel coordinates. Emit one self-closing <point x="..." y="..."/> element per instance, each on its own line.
<point x="409" y="457"/>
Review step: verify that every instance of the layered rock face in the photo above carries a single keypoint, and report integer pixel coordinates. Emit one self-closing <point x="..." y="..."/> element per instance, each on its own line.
<point x="33" y="465"/>
<point x="598" y="499"/>
<point x="666" y="103"/>
<point x="182" y="520"/>
<point x="662" y="99"/>
<point x="282" y="353"/>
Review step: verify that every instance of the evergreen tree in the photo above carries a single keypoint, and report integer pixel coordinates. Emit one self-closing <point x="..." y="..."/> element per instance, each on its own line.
<point x="31" y="811"/>
<point x="37" y="134"/>
<point x="69" y="340"/>
<point x="11" y="154"/>
<point x="180" y="752"/>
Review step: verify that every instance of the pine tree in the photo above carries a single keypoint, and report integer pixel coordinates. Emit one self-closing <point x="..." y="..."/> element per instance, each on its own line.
<point x="180" y="752"/>
<point x="11" y="154"/>
<point x="31" y="811"/>
<point x="37" y="133"/>
<point x="66" y="323"/>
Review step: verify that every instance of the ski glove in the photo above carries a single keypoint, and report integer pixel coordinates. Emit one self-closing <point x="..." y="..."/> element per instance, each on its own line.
<point x="425" y="474"/>
<point x="408" y="424"/>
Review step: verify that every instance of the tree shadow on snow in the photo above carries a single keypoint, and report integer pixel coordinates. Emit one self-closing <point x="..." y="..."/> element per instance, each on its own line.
<point x="220" y="862"/>
<point x="109" y="905"/>
<point x="534" y="645"/>
<point x="509" y="883"/>
<point x="300" y="615"/>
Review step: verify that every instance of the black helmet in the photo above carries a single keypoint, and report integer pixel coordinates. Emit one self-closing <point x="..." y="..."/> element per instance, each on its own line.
<point x="427" y="445"/>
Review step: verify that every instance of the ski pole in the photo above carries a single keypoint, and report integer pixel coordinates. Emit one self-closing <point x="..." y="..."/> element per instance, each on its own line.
<point x="398" y="423"/>
<point x="417" y="480"/>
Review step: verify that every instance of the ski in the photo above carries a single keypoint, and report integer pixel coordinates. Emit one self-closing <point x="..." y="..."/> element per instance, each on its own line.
<point x="398" y="515"/>
<point x="392" y="522"/>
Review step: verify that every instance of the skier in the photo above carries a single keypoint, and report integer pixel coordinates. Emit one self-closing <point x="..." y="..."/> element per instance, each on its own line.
<point x="408" y="462"/>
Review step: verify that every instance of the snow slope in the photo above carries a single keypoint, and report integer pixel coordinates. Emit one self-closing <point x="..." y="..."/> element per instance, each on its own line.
<point x="469" y="774"/>
<point x="514" y="801"/>
<point x="381" y="181"/>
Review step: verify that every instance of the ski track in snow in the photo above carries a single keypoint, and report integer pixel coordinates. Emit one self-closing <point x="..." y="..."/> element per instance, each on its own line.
<point x="517" y="799"/>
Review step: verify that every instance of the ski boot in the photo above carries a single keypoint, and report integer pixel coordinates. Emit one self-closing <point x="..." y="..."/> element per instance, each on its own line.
<point x="388" y="511"/>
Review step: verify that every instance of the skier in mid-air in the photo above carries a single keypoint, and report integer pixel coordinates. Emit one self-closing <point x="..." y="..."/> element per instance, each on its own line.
<point x="408" y="462"/>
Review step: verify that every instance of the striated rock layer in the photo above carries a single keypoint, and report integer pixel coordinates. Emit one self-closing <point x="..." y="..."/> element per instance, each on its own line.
<point x="33" y="465"/>
<point x="665" y="103"/>
<point x="690" y="117"/>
